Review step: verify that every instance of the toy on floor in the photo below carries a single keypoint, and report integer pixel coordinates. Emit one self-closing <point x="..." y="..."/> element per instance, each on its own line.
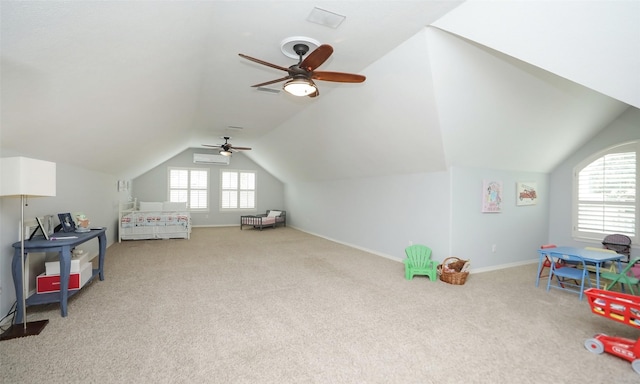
<point x="624" y="309"/>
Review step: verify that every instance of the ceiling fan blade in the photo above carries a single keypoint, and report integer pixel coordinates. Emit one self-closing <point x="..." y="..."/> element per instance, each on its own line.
<point x="211" y="146"/>
<point x="263" y="62"/>
<point x="338" y="77"/>
<point x="241" y="148"/>
<point x="271" y="82"/>
<point x="316" y="58"/>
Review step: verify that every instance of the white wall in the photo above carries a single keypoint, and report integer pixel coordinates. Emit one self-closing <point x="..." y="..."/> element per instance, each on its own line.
<point x="516" y="232"/>
<point x="441" y="210"/>
<point x="153" y="186"/>
<point x="381" y="215"/>
<point x="624" y="129"/>
<point x="77" y="190"/>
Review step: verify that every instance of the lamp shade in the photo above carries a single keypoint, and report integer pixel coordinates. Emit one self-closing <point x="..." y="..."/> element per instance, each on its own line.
<point x="22" y="176"/>
<point x="300" y="87"/>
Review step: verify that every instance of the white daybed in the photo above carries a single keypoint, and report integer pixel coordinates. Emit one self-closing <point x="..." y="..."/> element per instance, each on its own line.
<point x="153" y="220"/>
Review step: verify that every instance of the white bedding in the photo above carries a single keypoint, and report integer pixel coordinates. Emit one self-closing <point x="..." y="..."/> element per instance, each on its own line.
<point x="163" y="221"/>
<point x="149" y="219"/>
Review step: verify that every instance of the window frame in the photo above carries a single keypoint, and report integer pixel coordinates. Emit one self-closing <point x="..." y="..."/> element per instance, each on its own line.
<point x="207" y="189"/>
<point x="631" y="146"/>
<point x="222" y="190"/>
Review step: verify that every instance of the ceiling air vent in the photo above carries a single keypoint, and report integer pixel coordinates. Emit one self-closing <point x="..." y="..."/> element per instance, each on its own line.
<point x="204" y="158"/>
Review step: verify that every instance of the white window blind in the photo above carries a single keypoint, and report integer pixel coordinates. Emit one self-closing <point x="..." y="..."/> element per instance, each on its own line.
<point x="606" y="194"/>
<point x="237" y="190"/>
<point x="190" y="186"/>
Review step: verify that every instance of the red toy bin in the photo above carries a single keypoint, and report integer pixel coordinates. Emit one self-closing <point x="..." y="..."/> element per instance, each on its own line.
<point x="624" y="309"/>
<point x="617" y="306"/>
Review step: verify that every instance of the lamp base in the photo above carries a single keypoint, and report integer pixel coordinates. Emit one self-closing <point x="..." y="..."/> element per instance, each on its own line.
<point x="18" y="330"/>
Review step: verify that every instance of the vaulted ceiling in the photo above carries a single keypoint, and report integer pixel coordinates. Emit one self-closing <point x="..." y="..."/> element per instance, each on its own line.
<point x="121" y="86"/>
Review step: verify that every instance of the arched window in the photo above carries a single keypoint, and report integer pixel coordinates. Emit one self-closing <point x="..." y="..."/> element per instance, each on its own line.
<point x="605" y="193"/>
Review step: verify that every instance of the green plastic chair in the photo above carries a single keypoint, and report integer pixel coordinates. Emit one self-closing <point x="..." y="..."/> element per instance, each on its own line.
<point x="624" y="277"/>
<point x="418" y="262"/>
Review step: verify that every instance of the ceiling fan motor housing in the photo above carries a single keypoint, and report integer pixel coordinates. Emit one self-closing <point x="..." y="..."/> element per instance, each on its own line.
<point x="301" y="49"/>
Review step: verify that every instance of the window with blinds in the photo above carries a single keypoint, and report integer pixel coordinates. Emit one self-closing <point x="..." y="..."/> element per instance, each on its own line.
<point x="606" y="193"/>
<point x="237" y="190"/>
<point x="190" y="185"/>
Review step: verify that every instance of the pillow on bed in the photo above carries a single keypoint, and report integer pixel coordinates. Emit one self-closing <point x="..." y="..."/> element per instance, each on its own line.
<point x="274" y="213"/>
<point x="169" y="206"/>
<point x="150" y="206"/>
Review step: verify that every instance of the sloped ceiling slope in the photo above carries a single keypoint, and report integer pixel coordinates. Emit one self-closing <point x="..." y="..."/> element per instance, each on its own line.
<point x="125" y="85"/>
<point x="443" y="99"/>
<point x="103" y="85"/>
<point x="556" y="74"/>
<point x="388" y="127"/>
<point x="501" y="113"/>
<point x="119" y="87"/>
<point x="592" y="43"/>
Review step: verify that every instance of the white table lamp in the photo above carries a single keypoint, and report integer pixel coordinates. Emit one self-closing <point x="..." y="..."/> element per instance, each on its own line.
<point x="24" y="177"/>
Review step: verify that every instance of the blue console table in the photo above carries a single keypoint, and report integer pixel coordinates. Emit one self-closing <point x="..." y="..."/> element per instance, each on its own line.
<point x="64" y="247"/>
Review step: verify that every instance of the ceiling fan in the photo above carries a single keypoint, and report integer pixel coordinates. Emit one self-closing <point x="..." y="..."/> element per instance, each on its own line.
<point x="300" y="76"/>
<point x="227" y="149"/>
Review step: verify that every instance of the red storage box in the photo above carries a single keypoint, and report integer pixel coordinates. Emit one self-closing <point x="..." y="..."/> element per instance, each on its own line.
<point x="51" y="283"/>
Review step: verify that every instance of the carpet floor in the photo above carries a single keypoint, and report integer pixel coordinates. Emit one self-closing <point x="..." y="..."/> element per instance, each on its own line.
<point x="283" y="306"/>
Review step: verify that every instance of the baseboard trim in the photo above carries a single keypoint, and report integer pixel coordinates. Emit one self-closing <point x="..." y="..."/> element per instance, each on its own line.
<point x="471" y="271"/>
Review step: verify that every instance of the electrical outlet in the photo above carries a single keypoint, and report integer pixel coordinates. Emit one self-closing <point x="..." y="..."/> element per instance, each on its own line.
<point x="493" y="248"/>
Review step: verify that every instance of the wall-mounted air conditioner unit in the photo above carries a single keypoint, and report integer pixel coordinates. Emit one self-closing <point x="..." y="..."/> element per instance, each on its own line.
<point x="204" y="158"/>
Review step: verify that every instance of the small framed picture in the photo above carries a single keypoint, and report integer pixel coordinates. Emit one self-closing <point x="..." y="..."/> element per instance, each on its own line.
<point x="491" y="196"/>
<point x="67" y="222"/>
<point x="526" y="193"/>
<point x="44" y="230"/>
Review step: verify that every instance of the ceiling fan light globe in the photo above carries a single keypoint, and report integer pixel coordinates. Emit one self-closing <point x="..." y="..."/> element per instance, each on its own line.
<point x="300" y="87"/>
<point x="225" y="153"/>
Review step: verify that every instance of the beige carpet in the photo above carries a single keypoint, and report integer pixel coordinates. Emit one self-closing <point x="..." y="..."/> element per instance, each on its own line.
<point x="282" y="306"/>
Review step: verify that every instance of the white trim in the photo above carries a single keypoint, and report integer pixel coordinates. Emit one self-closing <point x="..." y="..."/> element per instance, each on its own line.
<point x="471" y="271"/>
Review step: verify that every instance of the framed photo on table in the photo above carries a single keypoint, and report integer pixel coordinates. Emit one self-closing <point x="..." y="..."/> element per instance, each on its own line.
<point x="67" y="223"/>
<point x="45" y="231"/>
<point x="39" y="227"/>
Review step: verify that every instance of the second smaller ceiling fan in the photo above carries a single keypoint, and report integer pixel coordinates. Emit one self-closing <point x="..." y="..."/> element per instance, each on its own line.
<point x="227" y="149"/>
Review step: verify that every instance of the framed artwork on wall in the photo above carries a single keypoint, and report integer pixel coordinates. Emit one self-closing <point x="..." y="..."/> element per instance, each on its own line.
<point x="526" y="193"/>
<point x="491" y="196"/>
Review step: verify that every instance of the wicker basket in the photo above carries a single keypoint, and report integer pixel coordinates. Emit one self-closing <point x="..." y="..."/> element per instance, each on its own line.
<point x="457" y="277"/>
